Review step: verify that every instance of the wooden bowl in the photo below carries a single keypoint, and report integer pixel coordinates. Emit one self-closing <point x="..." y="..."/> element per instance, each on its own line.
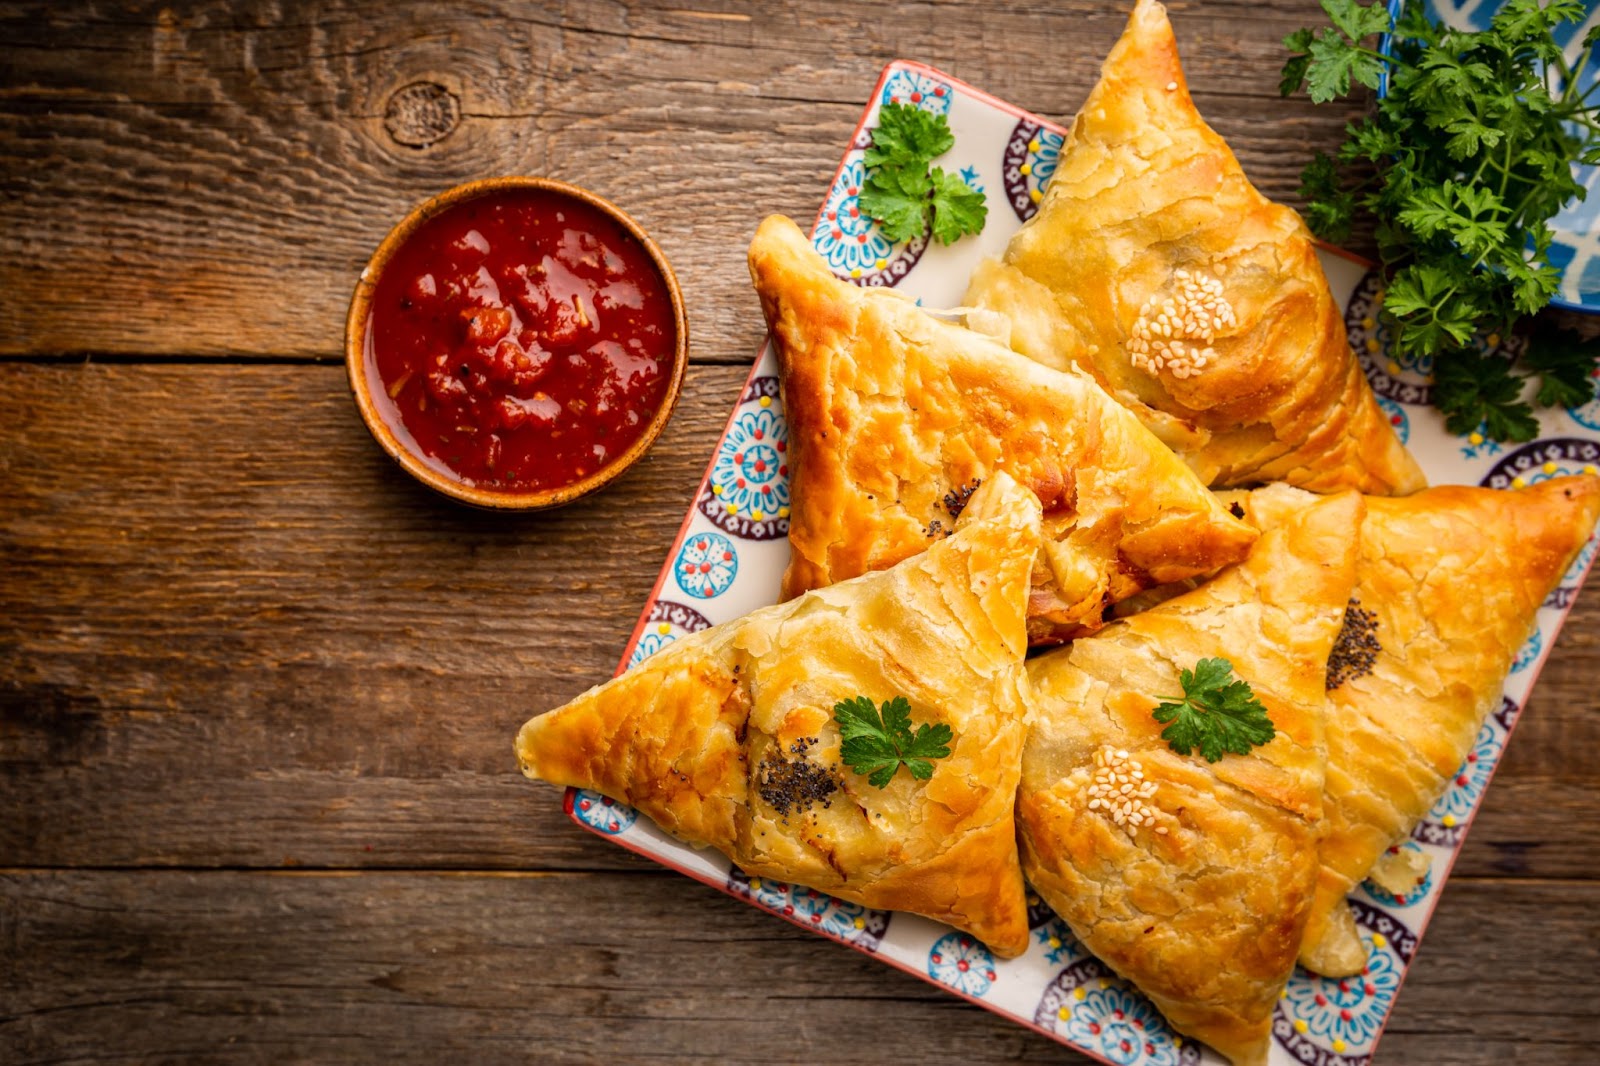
<point x="363" y="372"/>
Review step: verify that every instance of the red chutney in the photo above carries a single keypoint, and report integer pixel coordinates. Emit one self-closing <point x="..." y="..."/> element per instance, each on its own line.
<point x="523" y="339"/>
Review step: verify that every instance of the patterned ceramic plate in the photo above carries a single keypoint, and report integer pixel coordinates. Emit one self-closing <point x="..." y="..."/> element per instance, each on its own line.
<point x="731" y="551"/>
<point x="1575" y="250"/>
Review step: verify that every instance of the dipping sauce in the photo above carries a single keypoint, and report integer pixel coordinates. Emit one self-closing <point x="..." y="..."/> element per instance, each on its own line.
<point x="523" y="340"/>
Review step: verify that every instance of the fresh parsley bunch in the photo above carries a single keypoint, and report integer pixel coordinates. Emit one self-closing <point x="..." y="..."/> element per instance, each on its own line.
<point x="876" y="744"/>
<point x="1218" y="713"/>
<point x="900" y="190"/>
<point x="1465" y="160"/>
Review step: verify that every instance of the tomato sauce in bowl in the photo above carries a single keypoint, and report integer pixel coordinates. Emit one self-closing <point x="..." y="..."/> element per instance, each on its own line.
<point x="522" y="343"/>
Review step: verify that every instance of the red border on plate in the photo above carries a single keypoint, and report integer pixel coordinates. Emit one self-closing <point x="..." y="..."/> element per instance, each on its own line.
<point x="683" y="530"/>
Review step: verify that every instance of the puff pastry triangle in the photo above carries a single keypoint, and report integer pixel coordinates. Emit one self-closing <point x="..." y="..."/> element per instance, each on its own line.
<point x="1154" y="264"/>
<point x="1196" y="885"/>
<point x="726" y="738"/>
<point x="894" y="414"/>
<point x="1453" y="578"/>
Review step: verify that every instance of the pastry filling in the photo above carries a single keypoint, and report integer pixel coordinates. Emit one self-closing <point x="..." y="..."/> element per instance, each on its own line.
<point x="795" y="785"/>
<point x="1119" y="789"/>
<point x="1175" y="334"/>
<point x="1355" y="650"/>
<point x="955" y="501"/>
<point x="1399" y="871"/>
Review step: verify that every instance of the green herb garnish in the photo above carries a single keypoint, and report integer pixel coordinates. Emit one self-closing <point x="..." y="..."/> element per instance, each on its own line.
<point x="877" y="744"/>
<point x="1462" y="164"/>
<point x="901" y="193"/>
<point x="1218" y="714"/>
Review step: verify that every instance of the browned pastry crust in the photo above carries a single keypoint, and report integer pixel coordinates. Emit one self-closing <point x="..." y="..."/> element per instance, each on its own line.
<point x="704" y="735"/>
<point x="1148" y="210"/>
<point x="890" y="411"/>
<point x="1455" y="577"/>
<point x="1202" y="902"/>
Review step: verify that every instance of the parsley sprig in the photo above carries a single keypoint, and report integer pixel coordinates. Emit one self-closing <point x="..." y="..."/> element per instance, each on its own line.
<point x="1217" y="714"/>
<point x="900" y="190"/>
<point x="877" y="744"/>
<point x="1462" y="163"/>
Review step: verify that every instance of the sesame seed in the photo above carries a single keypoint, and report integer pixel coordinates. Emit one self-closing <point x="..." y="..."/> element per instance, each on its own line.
<point x="1174" y="331"/>
<point x="1118" y="788"/>
<point x="1172" y="86"/>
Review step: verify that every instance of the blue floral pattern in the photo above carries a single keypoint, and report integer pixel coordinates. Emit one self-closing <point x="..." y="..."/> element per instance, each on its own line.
<point x="602" y="813"/>
<point x="1344" y="1015"/>
<point x="1479" y="445"/>
<point x="750" y="475"/>
<point x="665" y="622"/>
<point x="852" y="243"/>
<point x="1060" y="946"/>
<point x="913" y="87"/>
<point x="1101" y="1013"/>
<point x="706" y="565"/>
<point x="840" y="919"/>
<point x="1466" y="788"/>
<point x="958" y="960"/>
<point x="1031" y="155"/>
<point x="651" y="642"/>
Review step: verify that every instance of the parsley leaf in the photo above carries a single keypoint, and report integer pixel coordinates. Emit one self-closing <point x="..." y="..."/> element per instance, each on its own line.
<point x="900" y="192"/>
<point x="875" y="744"/>
<point x="898" y="200"/>
<point x="1461" y="165"/>
<point x="1479" y="391"/>
<point x="1331" y="208"/>
<point x="958" y="208"/>
<point x="1334" y="63"/>
<point x="907" y="135"/>
<point x="1565" y="363"/>
<point x="1218" y="714"/>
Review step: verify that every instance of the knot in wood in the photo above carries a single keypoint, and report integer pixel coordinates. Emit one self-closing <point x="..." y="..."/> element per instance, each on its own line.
<point x="421" y="114"/>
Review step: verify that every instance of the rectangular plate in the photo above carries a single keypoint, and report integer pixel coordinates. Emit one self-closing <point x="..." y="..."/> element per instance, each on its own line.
<point x="731" y="551"/>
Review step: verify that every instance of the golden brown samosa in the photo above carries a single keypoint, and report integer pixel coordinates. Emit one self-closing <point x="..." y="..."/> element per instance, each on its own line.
<point x="727" y="738"/>
<point x="1448" y="587"/>
<point x="1154" y="264"/>
<point x="1193" y="879"/>
<point x="894" y="416"/>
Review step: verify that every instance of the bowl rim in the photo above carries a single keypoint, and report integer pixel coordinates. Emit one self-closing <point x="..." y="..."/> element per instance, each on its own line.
<point x="355" y="345"/>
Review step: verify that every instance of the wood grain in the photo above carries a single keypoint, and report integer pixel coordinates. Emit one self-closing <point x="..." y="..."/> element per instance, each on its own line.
<point x="209" y="179"/>
<point x="257" y="688"/>
<point x="264" y="968"/>
<point x="218" y="559"/>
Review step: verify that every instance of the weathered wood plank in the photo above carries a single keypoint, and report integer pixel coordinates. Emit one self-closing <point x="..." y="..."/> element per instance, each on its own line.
<point x="254" y="967"/>
<point x="209" y="178"/>
<point x="219" y="560"/>
<point x="231" y="633"/>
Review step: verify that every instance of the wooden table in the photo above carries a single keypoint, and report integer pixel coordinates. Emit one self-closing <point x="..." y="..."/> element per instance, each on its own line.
<point x="258" y="689"/>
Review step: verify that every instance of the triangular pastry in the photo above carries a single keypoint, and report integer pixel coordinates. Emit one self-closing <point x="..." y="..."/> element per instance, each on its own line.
<point x="1193" y="879"/>
<point x="1448" y="585"/>
<point x="1154" y="264"/>
<point x="894" y="415"/>
<point x="727" y="740"/>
